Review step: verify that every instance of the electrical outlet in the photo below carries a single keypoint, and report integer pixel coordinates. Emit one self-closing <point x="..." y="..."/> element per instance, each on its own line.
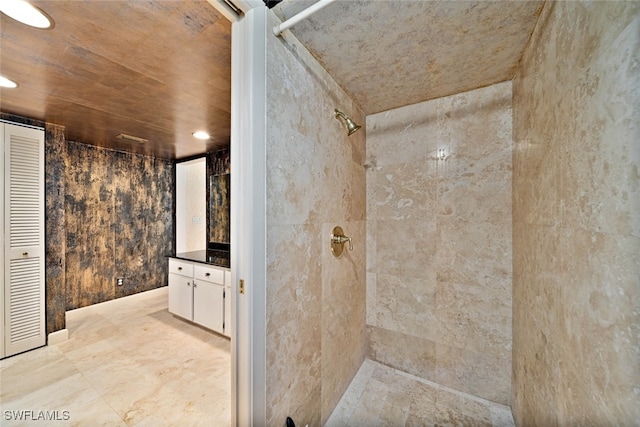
<point x="120" y="281"/>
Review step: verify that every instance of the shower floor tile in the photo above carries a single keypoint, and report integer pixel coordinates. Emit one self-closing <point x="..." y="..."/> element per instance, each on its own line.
<point x="383" y="396"/>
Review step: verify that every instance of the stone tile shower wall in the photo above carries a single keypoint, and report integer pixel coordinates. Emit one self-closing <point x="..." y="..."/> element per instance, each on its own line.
<point x="576" y="218"/>
<point x="315" y="308"/>
<point x="439" y="240"/>
<point x="118" y="221"/>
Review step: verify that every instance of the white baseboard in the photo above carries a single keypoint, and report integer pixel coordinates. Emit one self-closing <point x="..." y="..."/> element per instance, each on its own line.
<point x="58" y="336"/>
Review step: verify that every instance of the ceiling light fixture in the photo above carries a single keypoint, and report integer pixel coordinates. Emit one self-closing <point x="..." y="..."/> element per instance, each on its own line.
<point x="8" y="83"/>
<point x="201" y="134"/>
<point x="26" y="13"/>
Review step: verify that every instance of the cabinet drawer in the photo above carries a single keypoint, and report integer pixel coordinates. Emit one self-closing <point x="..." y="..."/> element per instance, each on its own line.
<point x="180" y="267"/>
<point x="209" y="274"/>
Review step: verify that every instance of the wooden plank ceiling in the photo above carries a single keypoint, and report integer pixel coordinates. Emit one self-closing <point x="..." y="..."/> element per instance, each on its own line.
<point x="157" y="70"/>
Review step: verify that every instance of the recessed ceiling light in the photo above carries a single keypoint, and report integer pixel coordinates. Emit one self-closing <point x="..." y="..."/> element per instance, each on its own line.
<point x="26" y="13"/>
<point x="201" y="134"/>
<point x="5" y="82"/>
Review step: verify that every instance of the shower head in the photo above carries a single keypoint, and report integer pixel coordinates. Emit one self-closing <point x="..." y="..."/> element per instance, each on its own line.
<point x="351" y="126"/>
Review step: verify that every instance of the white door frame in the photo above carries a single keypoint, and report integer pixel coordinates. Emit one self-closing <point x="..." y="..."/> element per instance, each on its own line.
<point x="248" y="210"/>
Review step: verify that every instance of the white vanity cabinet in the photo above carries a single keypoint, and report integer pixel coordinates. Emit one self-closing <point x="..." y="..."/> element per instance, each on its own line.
<point x="197" y="293"/>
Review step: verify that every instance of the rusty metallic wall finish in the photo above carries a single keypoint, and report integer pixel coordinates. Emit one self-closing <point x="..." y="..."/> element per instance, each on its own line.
<point x="55" y="153"/>
<point x="218" y="196"/>
<point x="118" y="210"/>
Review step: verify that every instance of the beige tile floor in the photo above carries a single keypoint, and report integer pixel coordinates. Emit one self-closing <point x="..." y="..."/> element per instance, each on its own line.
<point x="382" y="396"/>
<point x="127" y="362"/>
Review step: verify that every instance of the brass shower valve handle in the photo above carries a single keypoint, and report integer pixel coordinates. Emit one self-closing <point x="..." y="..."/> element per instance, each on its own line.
<point x="341" y="240"/>
<point x="338" y="239"/>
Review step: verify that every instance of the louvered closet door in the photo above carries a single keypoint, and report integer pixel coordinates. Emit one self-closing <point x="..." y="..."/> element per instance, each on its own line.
<point x="24" y="311"/>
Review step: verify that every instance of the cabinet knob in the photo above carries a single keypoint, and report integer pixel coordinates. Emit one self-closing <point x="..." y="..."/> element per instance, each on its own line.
<point x="179" y="268"/>
<point x="194" y="285"/>
<point x="207" y="274"/>
<point x="25" y="253"/>
<point x="188" y="283"/>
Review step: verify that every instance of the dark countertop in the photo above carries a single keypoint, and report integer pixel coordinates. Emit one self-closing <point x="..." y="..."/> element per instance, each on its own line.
<point x="212" y="257"/>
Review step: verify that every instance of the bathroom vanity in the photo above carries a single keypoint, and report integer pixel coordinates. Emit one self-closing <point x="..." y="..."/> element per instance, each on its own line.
<point x="200" y="289"/>
<point x="200" y="280"/>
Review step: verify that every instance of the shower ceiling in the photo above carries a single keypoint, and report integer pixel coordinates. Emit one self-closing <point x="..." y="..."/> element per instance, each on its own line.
<point x="387" y="54"/>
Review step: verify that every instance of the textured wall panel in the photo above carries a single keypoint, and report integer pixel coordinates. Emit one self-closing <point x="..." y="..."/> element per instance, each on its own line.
<point x="219" y="196"/>
<point x="55" y="226"/>
<point x="118" y="223"/>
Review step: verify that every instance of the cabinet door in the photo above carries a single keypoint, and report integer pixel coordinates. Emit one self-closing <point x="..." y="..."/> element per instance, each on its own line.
<point x="23" y="294"/>
<point x="181" y="296"/>
<point x="208" y="305"/>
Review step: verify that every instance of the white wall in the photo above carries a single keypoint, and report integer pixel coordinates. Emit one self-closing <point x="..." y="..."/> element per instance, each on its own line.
<point x="191" y="206"/>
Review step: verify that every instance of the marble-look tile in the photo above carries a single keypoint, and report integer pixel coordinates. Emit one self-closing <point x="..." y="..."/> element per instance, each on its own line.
<point x="296" y="254"/>
<point x="33" y="370"/>
<point x="406" y="248"/>
<point x="441" y="234"/>
<point x="371" y="177"/>
<point x="405" y="191"/>
<point x="458" y="402"/>
<point x="349" y="400"/>
<point x="343" y="314"/>
<point x="600" y="330"/>
<point x="576" y="218"/>
<point x="127" y="362"/>
<point x="316" y="179"/>
<point x="601" y="172"/>
<point x="426" y="51"/>
<point x="415" y="128"/>
<point x="501" y="416"/>
<point x="474" y="318"/>
<point x="483" y="196"/>
<point x="471" y="372"/>
<point x="383" y="396"/>
<point x="73" y="398"/>
<point x="479" y="249"/>
<point x="407" y="305"/>
<point x="371" y="305"/>
<point x="408" y="353"/>
<point x="476" y="135"/>
<point x="293" y="356"/>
